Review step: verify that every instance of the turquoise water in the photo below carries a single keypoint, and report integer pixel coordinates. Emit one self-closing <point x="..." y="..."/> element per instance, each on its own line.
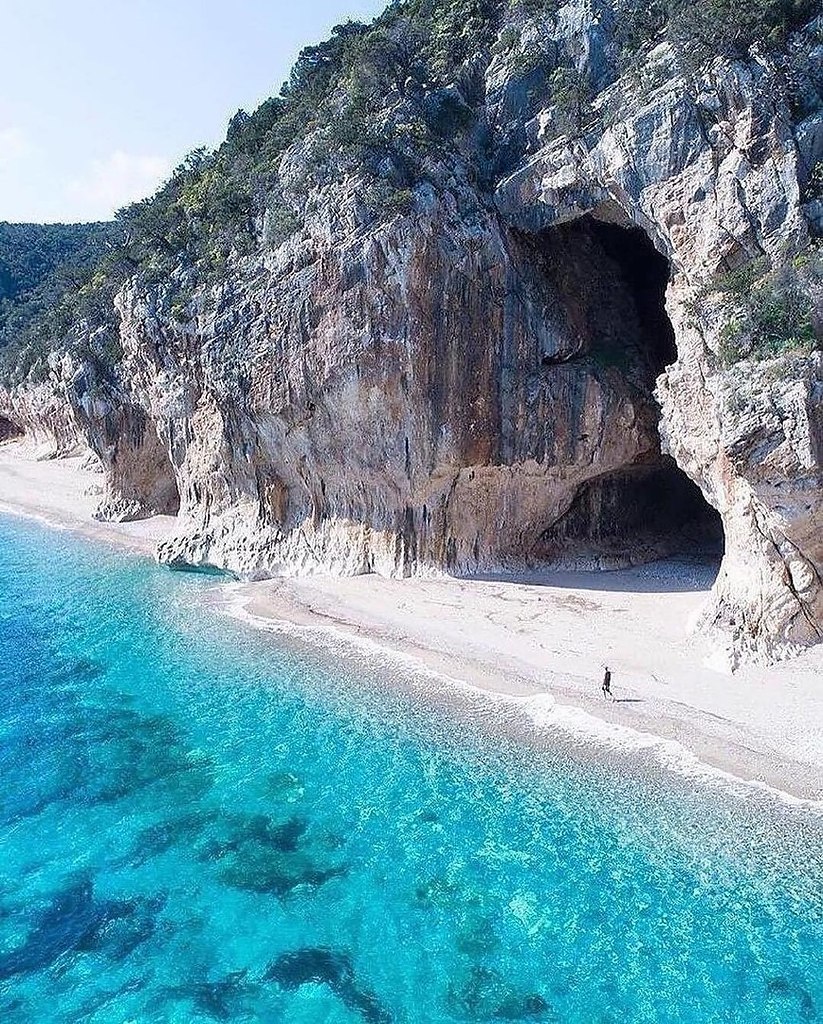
<point x="198" y="824"/>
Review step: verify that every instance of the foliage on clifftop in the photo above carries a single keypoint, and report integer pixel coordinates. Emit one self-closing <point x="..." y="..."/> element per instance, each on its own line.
<point x="379" y="104"/>
<point x="709" y="28"/>
<point x="376" y="100"/>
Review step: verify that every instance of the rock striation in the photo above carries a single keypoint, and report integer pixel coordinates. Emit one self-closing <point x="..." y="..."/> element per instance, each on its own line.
<point x="503" y="374"/>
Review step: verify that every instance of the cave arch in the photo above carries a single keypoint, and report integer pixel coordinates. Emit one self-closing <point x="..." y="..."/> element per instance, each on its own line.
<point x="635" y="514"/>
<point x="609" y="273"/>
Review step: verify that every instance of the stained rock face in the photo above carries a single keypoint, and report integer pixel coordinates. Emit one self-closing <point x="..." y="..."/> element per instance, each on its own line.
<point x="417" y="403"/>
<point x="461" y="387"/>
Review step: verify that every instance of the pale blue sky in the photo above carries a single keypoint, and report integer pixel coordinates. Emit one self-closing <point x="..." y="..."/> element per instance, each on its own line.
<point x="99" y="99"/>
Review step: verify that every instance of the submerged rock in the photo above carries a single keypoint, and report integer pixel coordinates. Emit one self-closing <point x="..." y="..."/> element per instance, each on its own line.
<point x="781" y="988"/>
<point x="484" y="995"/>
<point x="78" y="922"/>
<point x="331" y="968"/>
<point x="226" y="998"/>
<point x="257" y="854"/>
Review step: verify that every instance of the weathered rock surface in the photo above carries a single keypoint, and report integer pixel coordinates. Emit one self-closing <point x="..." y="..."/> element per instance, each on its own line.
<point x="462" y="387"/>
<point x="758" y="457"/>
<point x="409" y="402"/>
<point x="712" y="174"/>
<point x="44" y="413"/>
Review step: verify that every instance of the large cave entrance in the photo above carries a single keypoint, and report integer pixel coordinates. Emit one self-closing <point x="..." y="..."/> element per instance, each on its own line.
<point x="614" y="281"/>
<point x="636" y="514"/>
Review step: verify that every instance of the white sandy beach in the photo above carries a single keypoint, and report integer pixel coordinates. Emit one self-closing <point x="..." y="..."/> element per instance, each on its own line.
<point x="64" y="493"/>
<point x="550" y="634"/>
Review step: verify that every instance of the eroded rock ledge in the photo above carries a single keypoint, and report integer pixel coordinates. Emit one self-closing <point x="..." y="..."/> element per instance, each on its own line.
<point x="481" y="382"/>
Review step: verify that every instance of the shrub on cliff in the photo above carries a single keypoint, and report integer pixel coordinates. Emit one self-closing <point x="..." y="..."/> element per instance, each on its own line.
<point x="780" y="313"/>
<point x="710" y="28"/>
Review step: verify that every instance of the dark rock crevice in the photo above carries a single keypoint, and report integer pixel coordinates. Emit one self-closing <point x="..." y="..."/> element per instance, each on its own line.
<point x="9" y="431"/>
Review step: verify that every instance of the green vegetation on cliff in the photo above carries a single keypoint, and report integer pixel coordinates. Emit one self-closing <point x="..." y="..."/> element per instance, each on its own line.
<point x="379" y="104"/>
<point x="709" y="28"/>
<point x="774" y="309"/>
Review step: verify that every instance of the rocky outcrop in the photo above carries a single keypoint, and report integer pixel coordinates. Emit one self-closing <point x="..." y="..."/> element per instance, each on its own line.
<point x="711" y="171"/>
<point x="487" y="379"/>
<point x="43" y="413"/>
<point x="412" y="400"/>
<point x="78" y="411"/>
<point x="758" y="458"/>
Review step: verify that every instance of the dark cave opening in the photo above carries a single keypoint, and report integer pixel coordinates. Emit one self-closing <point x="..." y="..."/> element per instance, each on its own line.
<point x="612" y="281"/>
<point x="636" y="514"/>
<point x="645" y="273"/>
<point x="8" y="430"/>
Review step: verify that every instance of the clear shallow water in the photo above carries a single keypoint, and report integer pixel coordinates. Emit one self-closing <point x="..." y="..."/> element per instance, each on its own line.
<point x="196" y="825"/>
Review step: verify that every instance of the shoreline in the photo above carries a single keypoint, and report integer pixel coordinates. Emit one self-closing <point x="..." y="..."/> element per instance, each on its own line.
<point x="680" y="743"/>
<point x="537" y="641"/>
<point x="63" y="494"/>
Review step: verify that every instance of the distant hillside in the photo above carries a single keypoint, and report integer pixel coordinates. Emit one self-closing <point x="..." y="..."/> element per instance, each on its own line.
<point x="44" y="269"/>
<point x="29" y="253"/>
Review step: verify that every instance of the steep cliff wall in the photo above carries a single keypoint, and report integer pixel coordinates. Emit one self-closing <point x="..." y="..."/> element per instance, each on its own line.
<point x="400" y="401"/>
<point x="711" y="169"/>
<point x="483" y="377"/>
<point x="45" y="415"/>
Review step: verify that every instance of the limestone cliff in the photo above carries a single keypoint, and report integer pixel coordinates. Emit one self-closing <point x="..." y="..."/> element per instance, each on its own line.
<point x="504" y="369"/>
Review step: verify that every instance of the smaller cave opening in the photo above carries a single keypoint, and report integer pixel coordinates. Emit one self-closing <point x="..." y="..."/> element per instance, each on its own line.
<point x="637" y="514"/>
<point x="160" y="496"/>
<point x="9" y="431"/>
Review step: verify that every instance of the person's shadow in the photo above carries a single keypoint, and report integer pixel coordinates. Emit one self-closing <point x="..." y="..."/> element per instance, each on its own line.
<point x="628" y="700"/>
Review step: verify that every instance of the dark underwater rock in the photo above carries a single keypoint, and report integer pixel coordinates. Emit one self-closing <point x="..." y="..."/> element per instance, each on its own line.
<point x="781" y="988"/>
<point x="163" y="836"/>
<point x="257" y="854"/>
<point x="334" y="969"/>
<point x="485" y="995"/>
<point x="225" y="998"/>
<point x="77" y="922"/>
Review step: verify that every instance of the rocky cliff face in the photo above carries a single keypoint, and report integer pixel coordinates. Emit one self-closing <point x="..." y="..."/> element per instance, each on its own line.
<point x="712" y="171"/>
<point x="510" y="372"/>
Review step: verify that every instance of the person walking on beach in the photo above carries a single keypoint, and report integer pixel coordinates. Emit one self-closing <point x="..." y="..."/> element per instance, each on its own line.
<point x="607" y="684"/>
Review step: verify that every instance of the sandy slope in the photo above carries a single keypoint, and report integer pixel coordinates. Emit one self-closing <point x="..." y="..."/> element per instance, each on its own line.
<point x="548" y="634"/>
<point x="65" y="492"/>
